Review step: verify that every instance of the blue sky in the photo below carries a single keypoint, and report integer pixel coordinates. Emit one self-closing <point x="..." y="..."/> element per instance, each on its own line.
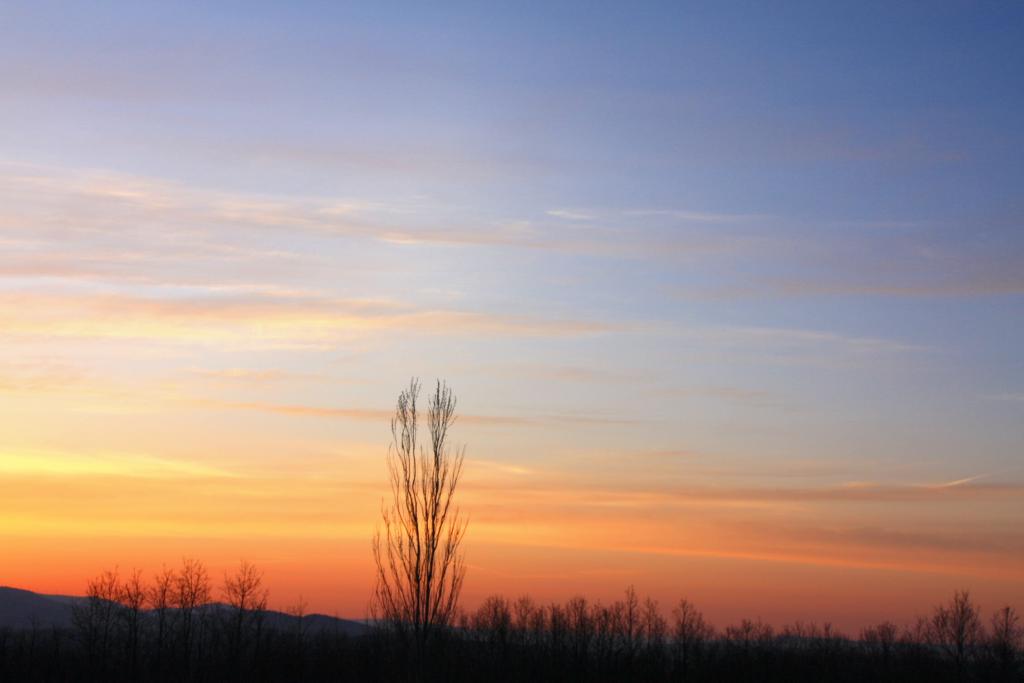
<point x="785" y="241"/>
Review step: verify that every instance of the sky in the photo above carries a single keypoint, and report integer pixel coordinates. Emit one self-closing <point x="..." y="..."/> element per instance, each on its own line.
<point x="730" y="295"/>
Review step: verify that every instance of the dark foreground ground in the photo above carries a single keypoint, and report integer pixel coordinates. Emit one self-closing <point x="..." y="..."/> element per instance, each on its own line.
<point x="274" y="655"/>
<point x="52" y="638"/>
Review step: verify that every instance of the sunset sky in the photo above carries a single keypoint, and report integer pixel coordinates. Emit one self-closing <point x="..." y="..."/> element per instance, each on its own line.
<point x="730" y="295"/>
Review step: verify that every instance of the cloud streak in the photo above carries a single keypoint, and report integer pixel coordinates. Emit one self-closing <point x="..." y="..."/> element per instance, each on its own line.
<point x="255" y="321"/>
<point x="98" y="204"/>
<point x="383" y="416"/>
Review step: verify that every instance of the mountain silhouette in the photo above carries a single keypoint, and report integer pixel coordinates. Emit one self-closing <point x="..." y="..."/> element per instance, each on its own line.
<point x="21" y="608"/>
<point x="25" y="609"/>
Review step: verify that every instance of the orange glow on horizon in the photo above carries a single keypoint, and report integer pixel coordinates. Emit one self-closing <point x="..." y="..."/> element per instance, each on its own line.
<point x="193" y="372"/>
<point x="65" y="517"/>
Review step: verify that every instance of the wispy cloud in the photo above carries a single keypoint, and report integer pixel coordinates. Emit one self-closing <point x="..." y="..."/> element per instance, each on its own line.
<point x="571" y="214"/>
<point x="686" y="216"/>
<point x="248" y="375"/>
<point x="795" y="345"/>
<point x="957" y="482"/>
<point x="86" y="463"/>
<point x="491" y="468"/>
<point x="845" y="526"/>
<point x="255" y="321"/>
<point x="38" y="375"/>
<point x="568" y="373"/>
<point x="382" y="415"/>
<point x="980" y="285"/>
<point x="94" y="224"/>
<point x="1010" y="397"/>
<point x="564" y="487"/>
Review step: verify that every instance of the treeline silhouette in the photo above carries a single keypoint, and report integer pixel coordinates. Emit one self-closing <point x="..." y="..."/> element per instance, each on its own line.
<point x="172" y="629"/>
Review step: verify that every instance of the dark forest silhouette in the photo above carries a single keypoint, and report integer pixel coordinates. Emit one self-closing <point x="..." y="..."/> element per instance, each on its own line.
<point x="170" y="629"/>
<point x="180" y="626"/>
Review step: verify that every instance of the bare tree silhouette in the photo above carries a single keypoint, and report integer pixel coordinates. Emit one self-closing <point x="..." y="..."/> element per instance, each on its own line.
<point x="957" y="629"/>
<point x="191" y="595"/>
<point x="1006" y="639"/>
<point x="420" y="567"/>
<point x="690" y="634"/>
<point x="132" y="595"/>
<point x="245" y="595"/>
<point x="159" y="598"/>
<point x="881" y="641"/>
<point x="95" y="619"/>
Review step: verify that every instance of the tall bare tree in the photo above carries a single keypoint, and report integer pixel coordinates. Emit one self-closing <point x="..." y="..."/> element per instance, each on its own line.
<point x="420" y="566"/>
